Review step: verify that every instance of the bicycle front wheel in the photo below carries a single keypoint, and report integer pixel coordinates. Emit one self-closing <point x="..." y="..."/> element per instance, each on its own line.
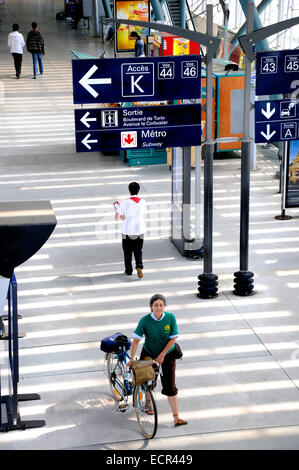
<point x="146" y="411"/>
<point x="115" y="372"/>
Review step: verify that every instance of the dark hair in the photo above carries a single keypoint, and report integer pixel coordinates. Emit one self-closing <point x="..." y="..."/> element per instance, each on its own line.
<point x="157" y="297"/>
<point x="15" y="27"/>
<point x="34" y="25"/>
<point x="135" y="35"/>
<point x="134" y="188"/>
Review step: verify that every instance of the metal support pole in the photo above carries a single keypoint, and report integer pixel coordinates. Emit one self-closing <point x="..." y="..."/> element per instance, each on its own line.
<point x="208" y="281"/>
<point x="197" y="193"/>
<point x="225" y="26"/>
<point x="96" y="18"/>
<point x="186" y="193"/>
<point x="183" y="13"/>
<point x="107" y="8"/>
<point x="283" y="182"/>
<point x="243" y="278"/>
<point x="157" y="9"/>
<point x="262" y="45"/>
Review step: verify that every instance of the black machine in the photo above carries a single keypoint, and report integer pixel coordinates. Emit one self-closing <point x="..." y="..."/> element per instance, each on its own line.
<point x="24" y="229"/>
<point x="184" y="203"/>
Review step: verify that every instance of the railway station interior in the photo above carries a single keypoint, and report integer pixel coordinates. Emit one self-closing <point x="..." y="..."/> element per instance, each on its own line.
<point x="238" y="380"/>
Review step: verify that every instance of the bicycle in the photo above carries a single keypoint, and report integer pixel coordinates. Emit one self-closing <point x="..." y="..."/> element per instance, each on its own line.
<point x="122" y="386"/>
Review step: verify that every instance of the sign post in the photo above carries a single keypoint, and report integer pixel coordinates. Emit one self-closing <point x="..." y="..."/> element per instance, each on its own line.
<point x="243" y="278"/>
<point x="269" y="65"/>
<point x="284" y="175"/>
<point x="207" y="285"/>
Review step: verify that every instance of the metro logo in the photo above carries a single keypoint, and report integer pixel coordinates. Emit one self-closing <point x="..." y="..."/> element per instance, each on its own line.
<point x="129" y="139"/>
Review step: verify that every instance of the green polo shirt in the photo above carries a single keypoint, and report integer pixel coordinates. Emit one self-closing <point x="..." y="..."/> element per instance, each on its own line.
<point x="157" y="332"/>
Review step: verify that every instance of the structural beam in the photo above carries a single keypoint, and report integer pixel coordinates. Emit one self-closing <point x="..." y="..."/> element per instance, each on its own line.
<point x="256" y="24"/>
<point x="249" y="40"/>
<point x="157" y="9"/>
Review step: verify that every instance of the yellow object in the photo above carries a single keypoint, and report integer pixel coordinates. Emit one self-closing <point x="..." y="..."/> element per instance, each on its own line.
<point x="180" y="46"/>
<point x="242" y="60"/>
<point x="143" y="370"/>
<point x="130" y="10"/>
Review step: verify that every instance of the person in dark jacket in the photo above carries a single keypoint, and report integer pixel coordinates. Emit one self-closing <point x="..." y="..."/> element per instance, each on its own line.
<point x="35" y="44"/>
<point x="78" y="14"/>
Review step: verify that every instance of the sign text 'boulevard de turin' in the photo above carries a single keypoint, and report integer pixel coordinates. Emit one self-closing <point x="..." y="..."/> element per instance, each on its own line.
<point x="139" y="79"/>
<point x="277" y="72"/>
<point x="138" y="127"/>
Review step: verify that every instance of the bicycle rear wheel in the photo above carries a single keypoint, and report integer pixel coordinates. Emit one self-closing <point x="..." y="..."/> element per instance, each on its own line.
<point x="146" y="411"/>
<point x="115" y="372"/>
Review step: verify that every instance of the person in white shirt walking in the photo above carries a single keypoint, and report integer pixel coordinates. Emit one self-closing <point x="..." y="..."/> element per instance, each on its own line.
<point x="16" y="43"/>
<point x="132" y="212"/>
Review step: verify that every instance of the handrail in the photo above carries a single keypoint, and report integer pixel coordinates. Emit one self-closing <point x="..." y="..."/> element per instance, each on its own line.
<point x="169" y="11"/>
<point x="189" y="11"/>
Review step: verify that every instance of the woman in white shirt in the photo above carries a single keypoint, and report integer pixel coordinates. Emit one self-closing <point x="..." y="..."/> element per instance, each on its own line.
<point x="16" y="43"/>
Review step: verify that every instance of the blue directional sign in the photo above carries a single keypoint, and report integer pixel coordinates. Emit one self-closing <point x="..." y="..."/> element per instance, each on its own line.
<point x="276" y="120"/>
<point x="136" y="79"/>
<point x="141" y="127"/>
<point x="277" y="72"/>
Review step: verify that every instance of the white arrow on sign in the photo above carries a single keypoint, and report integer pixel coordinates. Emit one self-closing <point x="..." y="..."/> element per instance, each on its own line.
<point x="269" y="112"/>
<point x="86" y="142"/>
<point x="84" y="119"/>
<point x="86" y="81"/>
<point x="268" y="135"/>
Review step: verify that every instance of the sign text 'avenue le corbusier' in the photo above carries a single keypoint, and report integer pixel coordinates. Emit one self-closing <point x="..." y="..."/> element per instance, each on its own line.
<point x="141" y="127"/>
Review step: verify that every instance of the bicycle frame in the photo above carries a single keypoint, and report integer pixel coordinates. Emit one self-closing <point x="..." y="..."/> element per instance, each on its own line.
<point x="143" y="399"/>
<point x="122" y="357"/>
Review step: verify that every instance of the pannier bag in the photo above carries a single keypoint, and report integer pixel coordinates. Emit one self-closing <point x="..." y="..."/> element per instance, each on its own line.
<point x="115" y="343"/>
<point x="143" y="371"/>
<point x="177" y="352"/>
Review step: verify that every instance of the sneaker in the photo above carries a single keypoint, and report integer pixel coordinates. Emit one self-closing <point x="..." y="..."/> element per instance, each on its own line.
<point x="128" y="274"/>
<point x="139" y="273"/>
<point x="34" y="76"/>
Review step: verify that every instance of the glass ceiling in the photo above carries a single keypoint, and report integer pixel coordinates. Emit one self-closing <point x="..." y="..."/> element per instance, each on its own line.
<point x="274" y="12"/>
